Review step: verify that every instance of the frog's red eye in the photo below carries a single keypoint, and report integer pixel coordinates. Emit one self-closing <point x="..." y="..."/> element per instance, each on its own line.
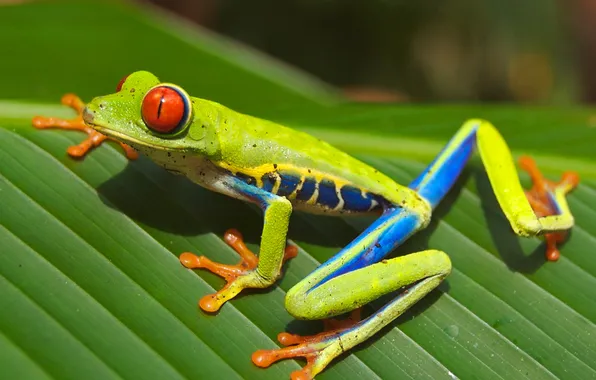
<point x="165" y="109"/>
<point x="119" y="87"/>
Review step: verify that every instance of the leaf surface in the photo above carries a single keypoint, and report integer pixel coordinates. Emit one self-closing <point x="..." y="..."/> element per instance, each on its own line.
<point x="89" y="276"/>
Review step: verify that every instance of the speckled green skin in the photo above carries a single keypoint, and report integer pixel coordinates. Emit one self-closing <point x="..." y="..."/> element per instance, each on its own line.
<point x="238" y="142"/>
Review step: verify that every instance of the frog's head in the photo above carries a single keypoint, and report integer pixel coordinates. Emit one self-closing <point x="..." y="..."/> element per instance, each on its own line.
<point x="148" y="115"/>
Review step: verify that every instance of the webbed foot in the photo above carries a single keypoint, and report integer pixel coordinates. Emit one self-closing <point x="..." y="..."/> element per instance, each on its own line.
<point x="543" y="202"/>
<point x="318" y="350"/>
<point x="238" y="277"/>
<point x="94" y="138"/>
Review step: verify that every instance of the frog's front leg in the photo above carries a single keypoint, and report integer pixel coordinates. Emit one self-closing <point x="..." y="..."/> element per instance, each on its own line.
<point x="253" y="271"/>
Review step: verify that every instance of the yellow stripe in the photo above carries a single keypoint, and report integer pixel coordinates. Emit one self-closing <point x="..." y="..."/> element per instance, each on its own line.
<point x="259" y="171"/>
<point x="277" y="183"/>
<point x="454" y="144"/>
<point x="315" y="195"/>
<point x="297" y="189"/>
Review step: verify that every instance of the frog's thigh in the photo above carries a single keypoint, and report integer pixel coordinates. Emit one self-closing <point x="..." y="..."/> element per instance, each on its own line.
<point x="425" y="269"/>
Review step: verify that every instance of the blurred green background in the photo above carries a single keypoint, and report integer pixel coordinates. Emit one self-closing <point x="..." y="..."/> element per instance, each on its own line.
<point x="455" y="50"/>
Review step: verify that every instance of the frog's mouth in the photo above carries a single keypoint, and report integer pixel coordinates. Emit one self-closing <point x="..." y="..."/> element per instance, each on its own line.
<point x="89" y="118"/>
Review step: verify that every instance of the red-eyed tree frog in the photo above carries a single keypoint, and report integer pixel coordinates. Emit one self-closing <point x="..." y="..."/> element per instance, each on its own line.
<point x="282" y="170"/>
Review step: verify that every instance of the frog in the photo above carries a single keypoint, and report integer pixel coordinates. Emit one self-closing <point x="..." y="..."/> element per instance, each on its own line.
<point x="282" y="170"/>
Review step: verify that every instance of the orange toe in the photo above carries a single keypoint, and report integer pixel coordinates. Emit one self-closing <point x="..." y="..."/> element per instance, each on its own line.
<point x="231" y="273"/>
<point x="540" y="199"/>
<point x="94" y="138"/>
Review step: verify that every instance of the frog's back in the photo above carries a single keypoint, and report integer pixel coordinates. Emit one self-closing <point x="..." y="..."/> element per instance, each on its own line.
<point x="311" y="173"/>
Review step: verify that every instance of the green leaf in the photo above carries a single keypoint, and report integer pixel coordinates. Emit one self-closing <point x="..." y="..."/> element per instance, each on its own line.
<point x="90" y="281"/>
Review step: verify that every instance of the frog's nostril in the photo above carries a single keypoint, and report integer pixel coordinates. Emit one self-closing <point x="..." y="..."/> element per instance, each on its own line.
<point x="88" y="115"/>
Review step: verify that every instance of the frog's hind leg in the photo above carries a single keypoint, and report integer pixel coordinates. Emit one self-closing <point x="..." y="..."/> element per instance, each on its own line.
<point x="540" y="211"/>
<point x="94" y="138"/>
<point x="414" y="275"/>
<point x="348" y="281"/>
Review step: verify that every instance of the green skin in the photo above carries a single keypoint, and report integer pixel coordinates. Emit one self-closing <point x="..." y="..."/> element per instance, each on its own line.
<point x="218" y="143"/>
